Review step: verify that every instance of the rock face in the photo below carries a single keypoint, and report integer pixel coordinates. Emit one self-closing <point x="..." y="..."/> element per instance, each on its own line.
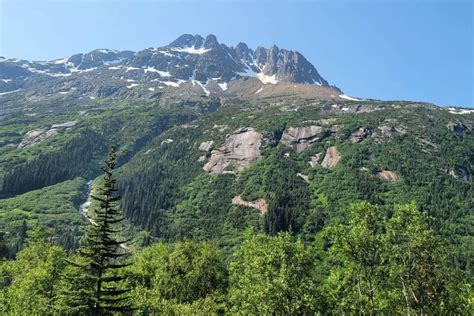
<point x="457" y="128"/>
<point x="286" y="65"/>
<point x="35" y="137"/>
<point x="204" y="62"/>
<point x="65" y="125"/>
<point x="314" y="160"/>
<point x="239" y="150"/>
<point x="358" y="135"/>
<point x="388" y="175"/>
<point x="331" y="158"/>
<point x="299" y="138"/>
<point x="206" y="146"/>
<point x="303" y="176"/>
<point x="259" y="204"/>
<point x="460" y="173"/>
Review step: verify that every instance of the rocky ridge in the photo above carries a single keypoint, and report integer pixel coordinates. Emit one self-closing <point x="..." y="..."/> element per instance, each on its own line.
<point x="191" y="62"/>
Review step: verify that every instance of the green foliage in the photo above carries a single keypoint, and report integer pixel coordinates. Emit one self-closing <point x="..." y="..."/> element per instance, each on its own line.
<point x="53" y="208"/>
<point x="376" y="263"/>
<point x="30" y="284"/>
<point x="78" y="158"/>
<point x="370" y="259"/>
<point x="418" y="267"/>
<point x="181" y="278"/>
<point x="391" y="264"/>
<point x="360" y="247"/>
<point x="272" y="275"/>
<point x="102" y="255"/>
<point x="275" y="179"/>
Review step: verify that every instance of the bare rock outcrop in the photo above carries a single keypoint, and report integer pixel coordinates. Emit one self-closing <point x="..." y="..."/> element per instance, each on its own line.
<point x="386" y="131"/>
<point x="220" y="128"/>
<point x="167" y="141"/>
<point x="303" y="176"/>
<point x="239" y="150"/>
<point x="460" y="173"/>
<point x="358" y="135"/>
<point x="34" y="137"/>
<point x="457" y="128"/>
<point x="314" y="160"/>
<point x="37" y="136"/>
<point x="206" y="146"/>
<point x="65" y="125"/>
<point x="259" y="204"/>
<point x="331" y="158"/>
<point x="299" y="138"/>
<point x="388" y="175"/>
<point x="351" y="108"/>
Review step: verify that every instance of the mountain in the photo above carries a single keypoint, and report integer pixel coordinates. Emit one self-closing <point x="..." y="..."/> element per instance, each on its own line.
<point x="214" y="139"/>
<point x="200" y="64"/>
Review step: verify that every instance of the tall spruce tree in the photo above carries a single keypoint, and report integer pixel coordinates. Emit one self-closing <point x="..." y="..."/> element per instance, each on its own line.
<point x="99" y="289"/>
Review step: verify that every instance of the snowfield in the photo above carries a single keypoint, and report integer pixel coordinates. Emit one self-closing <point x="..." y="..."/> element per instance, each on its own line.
<point x="348" y="97"/>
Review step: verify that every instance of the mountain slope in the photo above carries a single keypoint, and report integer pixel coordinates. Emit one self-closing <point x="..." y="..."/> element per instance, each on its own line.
<point x="215" y="139"/>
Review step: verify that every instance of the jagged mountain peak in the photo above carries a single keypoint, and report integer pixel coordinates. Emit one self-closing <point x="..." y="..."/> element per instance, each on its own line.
<point x="189" y="58"/>
<point x="187" y="40"/>
<point x="211" y="41"/>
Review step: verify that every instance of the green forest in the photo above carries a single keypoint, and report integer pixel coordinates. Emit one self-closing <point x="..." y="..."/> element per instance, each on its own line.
<point x="378" y="261"/>
<point x="339" y="240"/>
<point x="146" y="175"/>
<point x="374" y="264"/>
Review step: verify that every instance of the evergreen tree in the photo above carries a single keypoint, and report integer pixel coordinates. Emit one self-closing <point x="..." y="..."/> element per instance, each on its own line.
<point x="4" y="249"/>
<point x="22" y="236"/>
<point x="98" y="289"/>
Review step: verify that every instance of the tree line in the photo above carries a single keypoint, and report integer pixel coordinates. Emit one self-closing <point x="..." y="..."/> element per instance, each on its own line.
<point x="373" y="263"/>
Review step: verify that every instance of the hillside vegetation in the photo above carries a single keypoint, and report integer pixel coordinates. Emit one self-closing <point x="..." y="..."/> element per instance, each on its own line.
<point x="272" y="205"/>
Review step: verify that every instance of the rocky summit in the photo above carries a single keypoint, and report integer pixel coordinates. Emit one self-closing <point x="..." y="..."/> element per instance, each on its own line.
<point x="195" y="63"/>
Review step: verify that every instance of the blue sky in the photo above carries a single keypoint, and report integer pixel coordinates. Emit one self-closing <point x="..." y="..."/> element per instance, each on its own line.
<point x="417" y="50"/>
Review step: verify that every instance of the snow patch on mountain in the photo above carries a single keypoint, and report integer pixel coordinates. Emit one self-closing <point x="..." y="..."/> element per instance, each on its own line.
<point x="161" y="73"/>
<point x="348" y="97"/>
<point x="223" y="86"/>
<point x="267" y="79"/>
<point x="460" y="111"/>
<point x="165" y="53"/>
<point x="106" y="50"/>
<point x="249" y="72"/>
<point x="8" y="92"/>
<point x="60" y="61"/>
<point x="206" y="91"/>
<point x="319" y="83"/>
<point x="112" y="62"/>
<point x="192" y="50"/>
<point x="172" y="83"/>
<point x="127" y="69"/>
